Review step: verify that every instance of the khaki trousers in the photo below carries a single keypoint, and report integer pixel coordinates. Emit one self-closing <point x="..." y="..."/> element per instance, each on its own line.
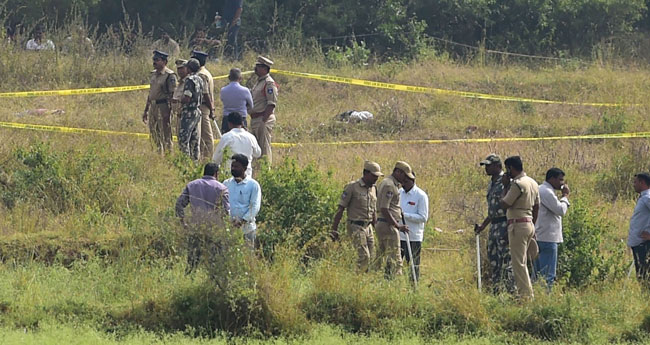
<point x="160" y="126"/>
<point x="364" y="242"/>
<point x="389" y="249"/>
<point x="205" y="129"/>
<point x="519" y="235"/>
<point x="262" y="132"/>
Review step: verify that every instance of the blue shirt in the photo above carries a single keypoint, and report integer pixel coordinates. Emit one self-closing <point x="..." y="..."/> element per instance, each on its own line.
<point x="245" y="199"/>
<point x="236" y="98"/>
<point x="640" y="220"/>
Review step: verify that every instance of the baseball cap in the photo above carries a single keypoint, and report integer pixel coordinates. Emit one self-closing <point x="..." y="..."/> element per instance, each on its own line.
<point x="490" y="159"/>
<point x="373" y="168"/>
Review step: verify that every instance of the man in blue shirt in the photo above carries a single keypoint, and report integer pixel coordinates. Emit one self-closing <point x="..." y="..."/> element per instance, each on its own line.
<point x="245" y="198"/>
<point x="639" y="236"/>
<point x="235" y="99"/>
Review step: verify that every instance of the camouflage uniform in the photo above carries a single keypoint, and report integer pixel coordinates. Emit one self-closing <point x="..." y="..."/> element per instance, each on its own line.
<point x="188" y="134"/>
<point x="498" y="248"/>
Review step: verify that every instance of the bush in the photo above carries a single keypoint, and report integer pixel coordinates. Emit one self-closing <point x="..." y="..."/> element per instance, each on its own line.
<point x="616" y="182"/>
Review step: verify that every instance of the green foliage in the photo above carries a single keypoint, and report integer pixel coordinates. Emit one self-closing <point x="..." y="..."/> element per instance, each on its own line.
<point x="616" y="181"/>
<point x="611" y="122"/>
<point x="356" y="55"/>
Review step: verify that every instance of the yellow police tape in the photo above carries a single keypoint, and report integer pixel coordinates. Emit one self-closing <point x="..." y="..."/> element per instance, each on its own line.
<point x="61" y="129"/>
<point x="431" y="90"/>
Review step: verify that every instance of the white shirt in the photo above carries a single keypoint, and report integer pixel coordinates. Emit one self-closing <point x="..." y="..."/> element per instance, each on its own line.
<point x="44" y="45"/>
<point x="239" y="141"/>
<point x="551" y="210"/>
<point x="415" y="205"/>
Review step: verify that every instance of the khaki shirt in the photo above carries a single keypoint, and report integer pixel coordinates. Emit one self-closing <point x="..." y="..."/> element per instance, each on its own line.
<point x="162" y="84"/>
<point x="209" y="81"/>
<point x="265" y="92"/>
<point x="178" y="91"/>
<point x="360" y="201"/>
<point x="522" y="195"/>
<point x="388" y="197"/>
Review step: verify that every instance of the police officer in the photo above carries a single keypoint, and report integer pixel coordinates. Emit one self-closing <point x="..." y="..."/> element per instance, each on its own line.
<point x="521" y="201"/>
<point x="360" y="198"/>
<point x="498" y="250"/>
<point x="181" y="69"/>
<point x="207" y="107"/>
<point x="389" y="222"/>
<point x="265" y="98"/>
<point x="157" y="112"/>
<point x="193" y="95"/>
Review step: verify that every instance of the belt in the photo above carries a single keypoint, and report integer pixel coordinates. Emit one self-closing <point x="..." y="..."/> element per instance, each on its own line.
<point x="520" y="220"/>
<point x="359" y="222"/>
<point x="499" y="219"/>
<point x="161" y="101"/>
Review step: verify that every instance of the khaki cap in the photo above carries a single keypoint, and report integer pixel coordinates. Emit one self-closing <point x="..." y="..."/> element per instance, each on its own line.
<point x="406" y="168"/>
<point x="373" y="168"/>
<point x="261" y="60"/>
<point x="490" y="159"/>
<point x="180" y="63"/>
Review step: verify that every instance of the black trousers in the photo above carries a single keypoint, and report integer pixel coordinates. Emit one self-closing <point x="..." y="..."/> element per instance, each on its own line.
<point x="416" y="247"/>
<point x="642" y="260"/>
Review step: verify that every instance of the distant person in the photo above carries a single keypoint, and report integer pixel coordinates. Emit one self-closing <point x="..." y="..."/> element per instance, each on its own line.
<point x="245" y="198"/>
<point x="521" y="201"/>
<point x="202" y="42"/>
<point x="232" y="10"/>
<point x="78" y="42"/>
<point x="182" y="71"/>
<point x="237" y="140"/>
<point x="157" y="112"/>
<point x="415" y="206"/>
<point x="10" y="37"/>
<point x="638" y="238"/>
<point x="194" y="93"/>
<point x="207" y="107"/>
<point x="210" y="203"/>
<point x="265" y="99"/>
<point x="166" y="43"/>
<point x="39" y="42"/>
<point x="235" y="99"/>
<point x="548" y="228"/>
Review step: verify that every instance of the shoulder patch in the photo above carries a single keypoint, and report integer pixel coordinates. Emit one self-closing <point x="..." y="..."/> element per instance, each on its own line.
<point x="344" y="195"/>
<point x="269" y="90"/>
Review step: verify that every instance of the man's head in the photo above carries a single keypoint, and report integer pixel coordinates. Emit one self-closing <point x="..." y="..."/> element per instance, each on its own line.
<point x="181" y="68"/>
<point x="371" y="172"/>
<point x="202" y="57"/>
<point x="555" y="177"/>
<point x="239" y="165"/>
<point x="235" y="74"/>
<point x="159" y="59"/>
<point x="263" y="66"/>
<point x="39" y="32"/>
<point x="514" y="166"/>
<point x="409" y="183"/>
<point x="641" y="182"/>
<point x="193" y="65"/>
<point x="235" y="120"/>
<point x="211" y="169"/>
<point x="402" y="171"/>
<point x="492" y="164"/>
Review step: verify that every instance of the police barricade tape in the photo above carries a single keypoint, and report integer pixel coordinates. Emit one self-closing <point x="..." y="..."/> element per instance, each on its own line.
<point x="431" y="90"/>
<point x="50" y="128"/>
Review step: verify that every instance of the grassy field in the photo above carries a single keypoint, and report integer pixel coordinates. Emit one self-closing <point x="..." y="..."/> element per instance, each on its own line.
<point x="91" y="251"/>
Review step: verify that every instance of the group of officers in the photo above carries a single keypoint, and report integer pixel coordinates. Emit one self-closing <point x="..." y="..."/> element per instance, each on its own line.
<point x="187" y="95"/>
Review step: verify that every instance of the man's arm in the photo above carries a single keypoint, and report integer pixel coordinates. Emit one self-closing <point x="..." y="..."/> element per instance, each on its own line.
<point x="335" y="224"/>
<point x="257" y="150"/>
<point x="510" y="194"/>
<point x="182" y="202"/>
<point x="552" y="203"/>
<point x="254" y="204"/>
<point x="218" y="151"/>
<point x="225" y="201"/>
<point x="249" y="100"/>
<point x="535" y="212"/>
<point x="171" y="85"/>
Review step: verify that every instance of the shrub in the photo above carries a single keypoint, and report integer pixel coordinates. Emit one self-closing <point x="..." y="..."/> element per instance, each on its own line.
<point x="616" y="182"/>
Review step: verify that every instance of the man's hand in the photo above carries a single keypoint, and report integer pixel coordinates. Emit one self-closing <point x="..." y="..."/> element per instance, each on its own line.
<point x="645" y="235"/>
<point x="565" y="190"/>
<point x="212" y="117"/>
<point x="403" y="228"/>
<point x="505" y="180"/>
<point x="478" y="228"/>
<point x="145" y="117"/>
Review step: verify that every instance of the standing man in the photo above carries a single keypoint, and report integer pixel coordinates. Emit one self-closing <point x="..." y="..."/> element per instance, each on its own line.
<point x="207" y="107"/>
<point x="245" y="198"/>
<point x="235" y="98"/>
<point x="157" y="112"/>
<point x="415" y="204"/>
<point x="498" y="250"/>
<point x="360" y="199"/>
<point x="193" y="95"/>
<point x="548" y="228"/>
<point x="265" y="98"/>
<point x="238" y="140"/>
<point x="210" y="203"/>
<point x="232" y="19"/>
<point x="521" y="201"/>
<point x="389" y="223"/>
<point x="181" y="70"/>
<point x="639" y="235"/>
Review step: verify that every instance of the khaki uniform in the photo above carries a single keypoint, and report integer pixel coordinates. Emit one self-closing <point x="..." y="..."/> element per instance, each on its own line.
<point x="162" y="87"/>
<point x="264" y="92"/>
<point x="387" y="234"/>
<point x="360" y="200"/>
<point x="522" y="195"/>
<point x="177" y="106"/>
<point x="207" y="137"/>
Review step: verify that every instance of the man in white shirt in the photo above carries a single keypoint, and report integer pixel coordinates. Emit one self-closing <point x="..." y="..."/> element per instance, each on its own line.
<point x="548" y="228"/>
<point x="415" y="206"/>
<point x="239" y="141"/>
<point x="39" y="42"/>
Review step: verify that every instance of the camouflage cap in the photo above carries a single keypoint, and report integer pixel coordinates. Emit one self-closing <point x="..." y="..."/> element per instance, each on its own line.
<point x="181" y="63"/>
<point x="373" y="168"/>
<point x="492" y="158"/>
<point x="261" y="60"/>
<point x="193" y="64"/>
<point x="406" y="168"/>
